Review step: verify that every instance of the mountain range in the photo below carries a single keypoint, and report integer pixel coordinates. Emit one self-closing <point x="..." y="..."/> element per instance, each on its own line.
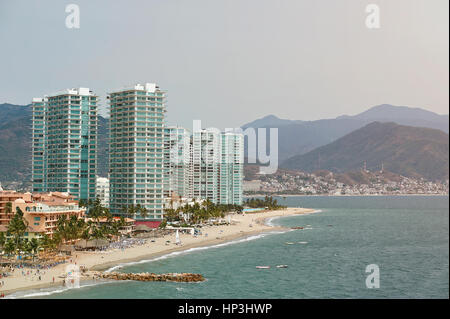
<point x="409" y="151"/>
<point x="299" y="137"/>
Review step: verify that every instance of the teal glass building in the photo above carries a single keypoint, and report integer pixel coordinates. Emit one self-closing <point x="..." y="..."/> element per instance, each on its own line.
<point x="231" y="169"/>
<point x="39" y="153"/>
<point x="64" y="150"/>
<point x="136" y="153"/>
<point x="177" y="158"/>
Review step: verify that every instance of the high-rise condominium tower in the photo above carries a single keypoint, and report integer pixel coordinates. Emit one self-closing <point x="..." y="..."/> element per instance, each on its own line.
<point x="177" y="168"/>
<point x="231" y="168"/>
<point x="137" y="149"/>
<point x="39" y="151"/>
<point x="205" y="164"/>
<point x="64" y="151"/>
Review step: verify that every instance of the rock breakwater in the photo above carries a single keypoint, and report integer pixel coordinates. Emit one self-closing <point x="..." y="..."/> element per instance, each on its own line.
<point x="177" y="277"/>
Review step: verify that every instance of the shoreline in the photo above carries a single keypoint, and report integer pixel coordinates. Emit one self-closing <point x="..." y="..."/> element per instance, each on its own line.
<point x="243" y="226"/>
<point x="345" y="195"/>
<point x="106" y="266"/>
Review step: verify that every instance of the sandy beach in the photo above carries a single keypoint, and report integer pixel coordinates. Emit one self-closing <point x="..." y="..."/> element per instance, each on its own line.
<point x="242" y="226"/>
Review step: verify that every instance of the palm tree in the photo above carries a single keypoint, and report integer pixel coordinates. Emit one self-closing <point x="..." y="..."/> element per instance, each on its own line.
<point x="130" y="210"/>
<point x="61" y="234"/>
<point x="124" y="210"/>
<point x="34" y="246"/>
<point x="8" y="209"/>
<point x="143" y="212"/>
<point x="10" y="246"/>
<point x="82" y="203"/>
<point x="98" y="233"/>
<point x="97" y="210"/>
<point x="17" y="228"/>
<point x="2" y="239"/>
<point x="27" y="248"/>
<point x="46" y="242"/>
<point x="170" y="214"/>
<point x="163" y="224"/>
<point x="86" y="233"/>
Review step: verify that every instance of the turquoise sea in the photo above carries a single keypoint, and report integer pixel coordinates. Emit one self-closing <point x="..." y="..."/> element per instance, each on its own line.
<point x="406" y="236"/>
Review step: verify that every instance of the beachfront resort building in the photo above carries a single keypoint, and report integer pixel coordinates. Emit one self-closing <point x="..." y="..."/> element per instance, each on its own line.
<point x="136" y="150"/>
<point x="41" y="211"/>
<point x="102" y="190"/>
<point x="177" y="162"/>
<point x="64" y="145"/>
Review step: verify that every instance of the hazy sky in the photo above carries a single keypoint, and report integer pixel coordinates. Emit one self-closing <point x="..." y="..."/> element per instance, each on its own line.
<point x="228" y="62"/>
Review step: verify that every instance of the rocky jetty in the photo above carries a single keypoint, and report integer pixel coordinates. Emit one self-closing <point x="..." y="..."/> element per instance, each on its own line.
<point x="178" y="277"/>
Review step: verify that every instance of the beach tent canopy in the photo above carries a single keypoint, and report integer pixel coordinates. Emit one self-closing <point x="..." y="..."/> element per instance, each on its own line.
<point x="92" y="243"/>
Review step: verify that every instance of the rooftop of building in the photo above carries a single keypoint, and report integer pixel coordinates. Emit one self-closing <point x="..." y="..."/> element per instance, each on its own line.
<point x="50" y="199"/>
<point x="147" y="87"/>
<point x="74" y="91"/>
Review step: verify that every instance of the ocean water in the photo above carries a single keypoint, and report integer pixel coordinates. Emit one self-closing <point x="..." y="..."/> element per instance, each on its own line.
<point x="407" y="237"/>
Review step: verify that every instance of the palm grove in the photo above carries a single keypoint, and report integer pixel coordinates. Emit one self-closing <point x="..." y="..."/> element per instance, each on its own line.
<point x="68" y="230"/>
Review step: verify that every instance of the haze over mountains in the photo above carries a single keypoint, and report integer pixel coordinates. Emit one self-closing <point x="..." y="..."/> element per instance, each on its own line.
<point x="405" y="150"/>
<point x="425" y="149"/>
<point x="299" y="137"/>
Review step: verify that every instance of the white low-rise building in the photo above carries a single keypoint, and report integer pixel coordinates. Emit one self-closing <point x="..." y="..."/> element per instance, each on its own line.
<point x="102" y="190"/>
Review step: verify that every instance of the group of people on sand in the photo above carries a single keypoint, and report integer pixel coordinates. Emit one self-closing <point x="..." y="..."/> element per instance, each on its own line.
<point x="4" y="272"/>
<point x="36" y="275"/>
<point x="127" y="243"/>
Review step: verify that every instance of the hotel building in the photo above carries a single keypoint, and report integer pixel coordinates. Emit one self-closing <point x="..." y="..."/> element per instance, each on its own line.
<point x="210" y="165"/>
<point x="41" y="211"/>
<point x="231" y="169"/>
<point x="102" y="190"/>
<point x="136" y="155"/>
<point x="177" y="160"/>
<point x="64" y="150"/>
<point x="205" y="164"/>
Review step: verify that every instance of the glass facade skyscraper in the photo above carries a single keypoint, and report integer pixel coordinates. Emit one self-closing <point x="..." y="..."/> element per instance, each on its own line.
<point x="208" y="165"/>
<point x="231" y="168"/>
<point x="137" y="149"/>
<point x="149" y="162"/>
<point x="64" y="150"/>
<point x="177" y="162"/>
<point x="39" y="151"/>
<point x="205" y="164"/>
